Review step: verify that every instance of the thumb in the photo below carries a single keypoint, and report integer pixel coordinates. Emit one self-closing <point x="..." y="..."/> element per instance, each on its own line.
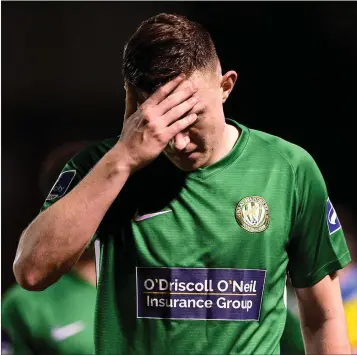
<point x="130" y="101"/>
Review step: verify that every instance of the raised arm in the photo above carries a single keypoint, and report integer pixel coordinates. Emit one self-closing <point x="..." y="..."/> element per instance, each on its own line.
<point x="56" y="238"/>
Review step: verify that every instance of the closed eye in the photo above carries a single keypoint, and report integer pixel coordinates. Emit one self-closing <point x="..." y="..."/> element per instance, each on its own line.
<point x="200" y="115"/>
<point x="199" y="118"/>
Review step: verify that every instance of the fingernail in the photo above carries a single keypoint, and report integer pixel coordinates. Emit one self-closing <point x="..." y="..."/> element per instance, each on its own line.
<point x="182" y="75"/>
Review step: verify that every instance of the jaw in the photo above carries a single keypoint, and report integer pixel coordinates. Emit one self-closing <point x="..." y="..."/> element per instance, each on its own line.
<point x="187" y="163"/>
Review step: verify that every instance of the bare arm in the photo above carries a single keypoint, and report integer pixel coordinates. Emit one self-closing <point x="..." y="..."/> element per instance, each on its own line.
<point x="322" y="316"/>
<point x="55" y="240"/>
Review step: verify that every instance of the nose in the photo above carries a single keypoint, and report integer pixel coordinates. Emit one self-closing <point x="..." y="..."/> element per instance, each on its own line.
<point x="180" y="141"/>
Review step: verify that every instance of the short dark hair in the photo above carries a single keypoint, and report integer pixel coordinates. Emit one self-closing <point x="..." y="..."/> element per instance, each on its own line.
<point x="164" y="46"/>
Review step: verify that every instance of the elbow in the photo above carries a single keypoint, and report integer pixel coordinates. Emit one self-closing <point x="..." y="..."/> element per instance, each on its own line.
<point x="28" y="278"/>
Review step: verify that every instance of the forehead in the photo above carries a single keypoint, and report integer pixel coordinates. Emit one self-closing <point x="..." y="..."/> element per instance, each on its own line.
<point x="204" y="80"/>
<point x="200" y="79"/>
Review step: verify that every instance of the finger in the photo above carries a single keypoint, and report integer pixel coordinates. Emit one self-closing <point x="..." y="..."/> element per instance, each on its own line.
<point x="180" y="125"/>
<point x="165" y="90"/>
<point x="179" y="110"/>
<point x="175" y="99"/>
<point x="131" y="102"/>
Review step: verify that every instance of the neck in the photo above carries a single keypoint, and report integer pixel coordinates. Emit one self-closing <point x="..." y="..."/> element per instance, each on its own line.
<point x="228" y="137"/>
<point x="231" y="135"/>
<point x="85" y="269"/>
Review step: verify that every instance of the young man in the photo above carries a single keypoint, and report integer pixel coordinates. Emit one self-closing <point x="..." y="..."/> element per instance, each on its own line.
<point x="197" y="218"/>
<point x="60" y="319"/>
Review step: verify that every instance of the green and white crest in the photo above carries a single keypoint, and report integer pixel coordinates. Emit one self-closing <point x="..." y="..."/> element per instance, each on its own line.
<point x="252" y="214"/>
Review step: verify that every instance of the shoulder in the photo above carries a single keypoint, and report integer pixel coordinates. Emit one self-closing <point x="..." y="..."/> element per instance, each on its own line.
<point x="297" y="157"/>
<point x="89" y="156"/>
<point x="302" y="166"/>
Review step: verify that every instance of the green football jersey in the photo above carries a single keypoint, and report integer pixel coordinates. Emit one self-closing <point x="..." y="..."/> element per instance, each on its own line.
<point x="58" y="320"/>
<point x="196" y="263"/>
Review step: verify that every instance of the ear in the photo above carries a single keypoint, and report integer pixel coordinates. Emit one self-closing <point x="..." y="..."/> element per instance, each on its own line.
<point x="227" y="84"/>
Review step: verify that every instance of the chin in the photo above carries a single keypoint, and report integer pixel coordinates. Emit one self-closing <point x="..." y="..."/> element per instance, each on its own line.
<point x="190" y="162"/>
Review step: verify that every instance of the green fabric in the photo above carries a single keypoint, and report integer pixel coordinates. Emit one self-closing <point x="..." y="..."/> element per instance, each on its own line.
<point x="291" y="341"/>
<point x="58" y="320"/>
<point x="201" y="232"/>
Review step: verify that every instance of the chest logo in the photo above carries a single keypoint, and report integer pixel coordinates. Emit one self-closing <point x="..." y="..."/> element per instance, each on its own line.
<point x="252" y="214"/>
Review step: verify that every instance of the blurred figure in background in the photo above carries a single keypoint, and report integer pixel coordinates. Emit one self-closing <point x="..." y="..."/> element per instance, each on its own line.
<point x="60" y="319"/>
<point x="292" y="341"/>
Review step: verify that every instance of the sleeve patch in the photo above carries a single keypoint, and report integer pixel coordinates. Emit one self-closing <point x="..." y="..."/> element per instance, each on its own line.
<point x="333" y="222"/>
<point x="61" y="185"/>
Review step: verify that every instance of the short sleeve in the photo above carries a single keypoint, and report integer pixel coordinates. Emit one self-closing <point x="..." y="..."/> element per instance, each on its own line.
<point x="71" y="175"/>
<point x="317" y="246"/>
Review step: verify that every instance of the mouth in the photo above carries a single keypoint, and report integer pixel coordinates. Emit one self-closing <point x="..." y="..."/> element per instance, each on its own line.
<point x="188" y="151"/>
<point x="188" y="155"/>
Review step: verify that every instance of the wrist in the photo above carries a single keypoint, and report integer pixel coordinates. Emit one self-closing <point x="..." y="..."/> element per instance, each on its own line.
<point x="119" y="160"/>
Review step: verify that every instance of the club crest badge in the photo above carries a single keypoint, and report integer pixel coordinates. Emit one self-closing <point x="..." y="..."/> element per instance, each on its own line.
<point x="252" y="214"/>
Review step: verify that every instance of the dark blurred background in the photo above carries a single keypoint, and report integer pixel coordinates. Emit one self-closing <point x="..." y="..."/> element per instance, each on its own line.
<point x="61" y="82"/>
